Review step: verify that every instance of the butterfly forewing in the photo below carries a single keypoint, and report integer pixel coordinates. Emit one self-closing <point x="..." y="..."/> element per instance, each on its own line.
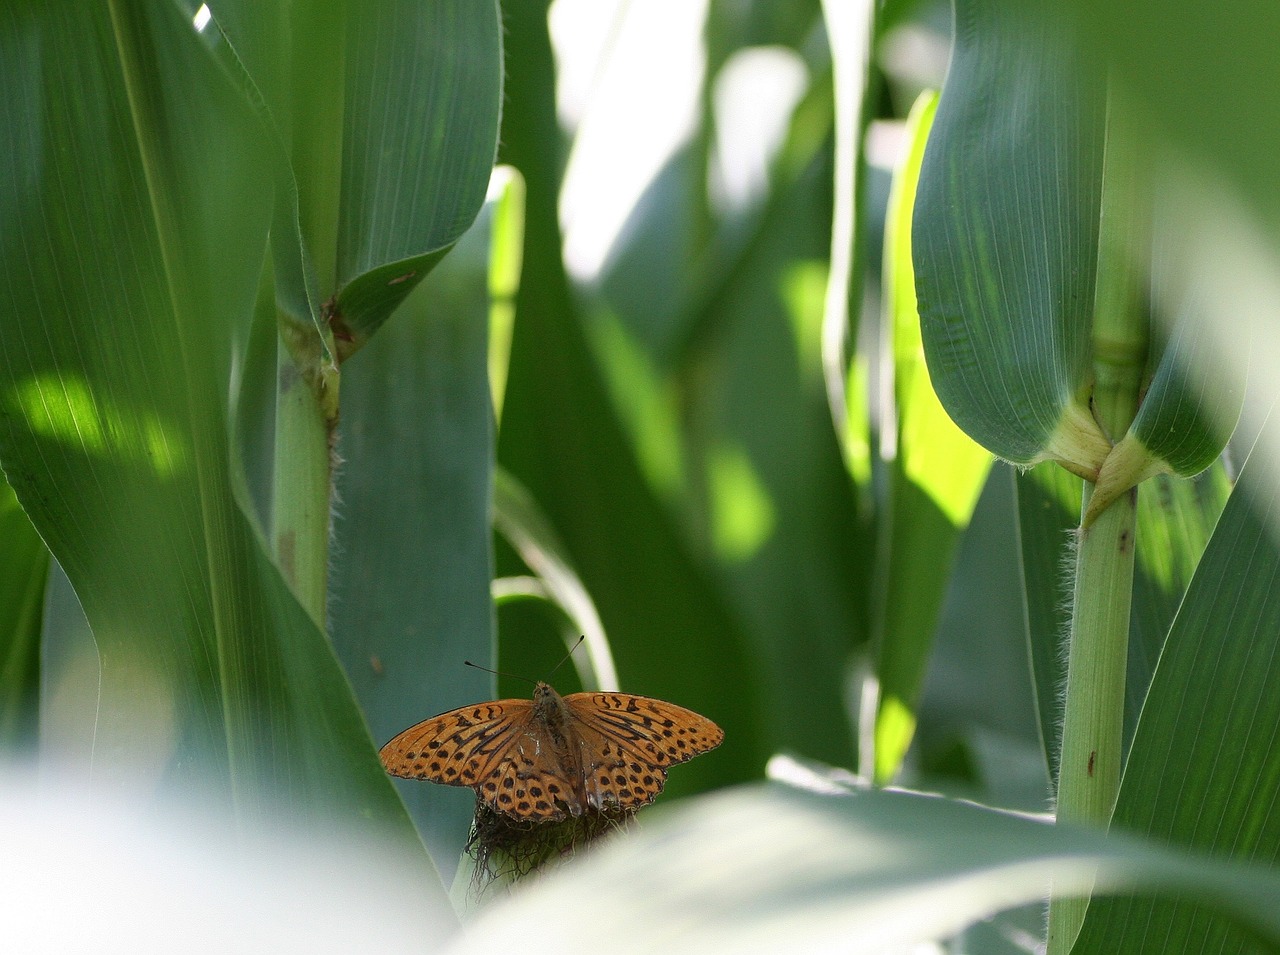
<point x="461" y="747"/>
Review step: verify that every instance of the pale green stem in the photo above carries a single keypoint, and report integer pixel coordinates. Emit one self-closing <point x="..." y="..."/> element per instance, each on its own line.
<point x="1093" y="715"/>
<point x="302" y="480"/>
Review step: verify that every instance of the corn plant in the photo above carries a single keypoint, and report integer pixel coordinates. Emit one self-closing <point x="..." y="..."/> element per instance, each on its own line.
<point x="314" y="385"/>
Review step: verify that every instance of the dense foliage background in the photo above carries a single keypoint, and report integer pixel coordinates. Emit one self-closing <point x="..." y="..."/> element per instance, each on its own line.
<point x="303" y="403"/>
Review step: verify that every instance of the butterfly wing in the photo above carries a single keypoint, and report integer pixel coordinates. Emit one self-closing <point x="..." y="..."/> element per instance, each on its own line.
<point x="498" y="749"/>
<point x="461" y="747"/>
<point x="627" y="742"/>
<point x="529" y="783"/>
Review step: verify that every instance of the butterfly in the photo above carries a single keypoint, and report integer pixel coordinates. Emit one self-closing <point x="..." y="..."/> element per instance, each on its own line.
<point x="554" y="756"/>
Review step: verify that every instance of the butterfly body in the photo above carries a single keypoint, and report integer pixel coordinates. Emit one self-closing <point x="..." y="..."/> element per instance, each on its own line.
<point x="554" y="756"/>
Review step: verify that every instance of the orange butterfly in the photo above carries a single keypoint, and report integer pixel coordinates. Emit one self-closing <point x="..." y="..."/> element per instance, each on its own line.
<point x="556" y="755"/>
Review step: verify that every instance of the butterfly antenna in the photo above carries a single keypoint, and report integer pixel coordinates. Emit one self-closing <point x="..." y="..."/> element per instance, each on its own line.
<point x="566" y="656"/>
<point x="514" y="676"/>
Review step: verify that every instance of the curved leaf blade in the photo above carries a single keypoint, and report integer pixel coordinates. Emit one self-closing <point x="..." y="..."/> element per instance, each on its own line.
<point x="388" y="115"/>
<point x="1005" y="239"/>
<point x="411" y="188"/>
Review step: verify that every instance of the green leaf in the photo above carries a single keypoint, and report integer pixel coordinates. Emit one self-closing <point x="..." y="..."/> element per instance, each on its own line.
<point x="1204" y="769"/>
<point x="1005" y="239"/>
<point x="1185" y="418"/>
<point x="937" y="475"/>
<point x="770" y="869"/>
<point x="422" y="99"/>
<point x="139" y="222"/>
<point x="24" y="565"/>
<point x="390" y="113"/>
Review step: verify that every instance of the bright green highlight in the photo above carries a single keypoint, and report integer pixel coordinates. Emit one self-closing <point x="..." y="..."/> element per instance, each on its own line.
<point x="648" y="406"/>
<point x="803" y="288"/>
<point x="742" y="514"/>
<point x="65" y="409"/>
<point x="936" y="474"/>
<point x="895" y="723"/>
<point x="506" y="258"/>
<point x="935" y="455"/>
<point x="944" y="462"/>
<point x="857" y="431"/>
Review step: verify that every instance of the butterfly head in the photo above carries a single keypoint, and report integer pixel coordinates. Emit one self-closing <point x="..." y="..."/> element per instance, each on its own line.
<point x="544" y="695"/>
<point x="549" y="708"/>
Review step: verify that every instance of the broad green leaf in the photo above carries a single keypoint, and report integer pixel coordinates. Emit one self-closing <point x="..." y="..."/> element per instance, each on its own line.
<point x="773" y="869"/>
<point x="1175" y="518"/>
<point x="411" y="556"/>
<point x="670" y="630"/>
<point x="138" y="222"/>
<point x="1005" y="239"/>
<point x="24" y="566"/>
<point x="411" y="188"/>
<point x="1204" y="769"/>
<point x="937" y="475"/>
<point x="390" y="113"/>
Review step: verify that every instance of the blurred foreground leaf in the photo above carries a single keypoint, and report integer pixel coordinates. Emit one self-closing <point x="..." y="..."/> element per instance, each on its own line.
<point x="770" y="869"/>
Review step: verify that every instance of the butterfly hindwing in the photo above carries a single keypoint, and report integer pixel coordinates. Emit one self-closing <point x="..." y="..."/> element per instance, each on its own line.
<point x="628" y="741"/>
<point x="522" y="786"/>
<point x="616" y="775"/>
